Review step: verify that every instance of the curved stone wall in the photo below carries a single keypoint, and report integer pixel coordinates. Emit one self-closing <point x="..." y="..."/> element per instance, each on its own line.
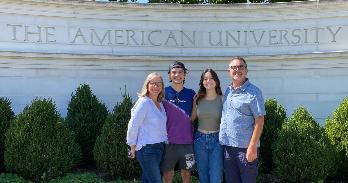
<point x="296" y="52"/>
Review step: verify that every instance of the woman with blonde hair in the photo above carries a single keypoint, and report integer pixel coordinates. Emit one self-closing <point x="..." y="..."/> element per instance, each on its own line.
<point x="147" y="132"/>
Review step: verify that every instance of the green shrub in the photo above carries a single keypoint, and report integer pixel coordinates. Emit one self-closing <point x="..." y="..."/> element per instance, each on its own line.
<point x="177" y="178"/>
<point x="110" y="150"/>
<point x="12" y="178"/>
<point x="302" y="152"/>
<point x="275" y="117"/>
<point x="6" y="115"/>
<point x="86" y="116"/>
<point x="124" y="181"/>
<point x="78" y="178"/>
<point x="337" y="130"/>
<point x="38" y="145"/>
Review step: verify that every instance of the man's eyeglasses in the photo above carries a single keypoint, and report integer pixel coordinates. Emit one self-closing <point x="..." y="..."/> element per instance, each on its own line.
<point x="156" y="83"/>
<point x="235" y="67"/>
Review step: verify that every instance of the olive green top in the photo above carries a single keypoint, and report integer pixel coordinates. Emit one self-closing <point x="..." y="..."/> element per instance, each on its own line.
<point x="209" y="114"/>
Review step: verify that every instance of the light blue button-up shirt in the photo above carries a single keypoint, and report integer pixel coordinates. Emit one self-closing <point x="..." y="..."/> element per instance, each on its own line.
<point x="147" y="124"/>
<point x="240" y="108"/>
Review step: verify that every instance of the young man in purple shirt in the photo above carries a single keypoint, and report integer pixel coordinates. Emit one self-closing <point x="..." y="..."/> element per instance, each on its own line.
<point x="179" y="126"/>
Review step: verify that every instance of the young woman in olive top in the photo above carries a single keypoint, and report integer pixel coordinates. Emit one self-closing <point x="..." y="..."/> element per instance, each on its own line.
<point x="207" y="109"/>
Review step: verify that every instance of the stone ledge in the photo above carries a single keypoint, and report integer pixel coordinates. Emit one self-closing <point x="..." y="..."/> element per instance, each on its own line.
<point x="114" y="11"/>
<point x="4" y="54"/>
<point x="90" y="3"/>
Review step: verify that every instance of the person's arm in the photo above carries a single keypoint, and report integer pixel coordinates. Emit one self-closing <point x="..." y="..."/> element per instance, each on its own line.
<point x="132" y="151"/>
<point x="251" y="154"/>
<point x="137" y="118"/>
<point x="194" y="108"/>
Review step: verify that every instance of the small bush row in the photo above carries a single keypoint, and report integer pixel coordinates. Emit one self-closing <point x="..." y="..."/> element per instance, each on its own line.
<point x="40" y="145"/>
<point x="298" y="149"/>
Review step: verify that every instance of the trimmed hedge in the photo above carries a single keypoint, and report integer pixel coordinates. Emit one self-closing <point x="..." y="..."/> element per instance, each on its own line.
<point x="337" y="130"/>
<point x="302" y="152"/>
<point x="337" y="127"/>
<point x="12" y="178"/>
<point x="86" y="116"/>
<point x="69" y="178"/>
<point x="6" y="115"/>
<point x="38" y="145"/>
<point x="110" y="151"/>
<point x="274" y="119"/>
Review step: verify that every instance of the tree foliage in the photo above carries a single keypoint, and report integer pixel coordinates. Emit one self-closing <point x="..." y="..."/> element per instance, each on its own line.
<point x="86" y="116"/>
<point x="337" y="130"/>
<point x="110" y="151"/>
<point x="12" y="178"/>
<point x="6" y="115"/>
<point x="274" y="119"/>
<point x="302" y="152"/>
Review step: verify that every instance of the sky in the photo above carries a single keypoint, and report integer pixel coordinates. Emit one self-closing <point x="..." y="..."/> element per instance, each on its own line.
<point x="145" y="1"/>
<point x="139" y="1"/>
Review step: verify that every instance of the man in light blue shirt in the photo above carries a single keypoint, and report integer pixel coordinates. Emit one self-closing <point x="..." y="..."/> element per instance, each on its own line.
<point x="241" y="125"/>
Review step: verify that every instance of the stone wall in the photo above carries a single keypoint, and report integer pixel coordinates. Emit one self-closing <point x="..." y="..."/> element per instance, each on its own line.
<point x="296" y="52"/>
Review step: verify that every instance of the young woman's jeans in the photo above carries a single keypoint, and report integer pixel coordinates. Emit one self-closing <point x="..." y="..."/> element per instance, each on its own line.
<point x="209" y="157"/>
<point x="149" y="158"/>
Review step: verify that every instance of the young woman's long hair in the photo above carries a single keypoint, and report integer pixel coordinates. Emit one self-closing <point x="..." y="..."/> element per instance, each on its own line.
<point x="202" y="92"/>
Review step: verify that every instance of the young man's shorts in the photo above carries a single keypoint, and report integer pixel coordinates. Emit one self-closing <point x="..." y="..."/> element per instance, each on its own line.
<point x="182" y="153"/>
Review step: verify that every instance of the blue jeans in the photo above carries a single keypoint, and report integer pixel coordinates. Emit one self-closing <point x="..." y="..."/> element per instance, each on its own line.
<point x="209" y="157"/>
<point x="149" y="158"/>
<point x="237" y="168"/>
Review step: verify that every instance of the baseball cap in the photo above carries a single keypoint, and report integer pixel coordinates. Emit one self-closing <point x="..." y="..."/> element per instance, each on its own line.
<point x="177" y="64"/>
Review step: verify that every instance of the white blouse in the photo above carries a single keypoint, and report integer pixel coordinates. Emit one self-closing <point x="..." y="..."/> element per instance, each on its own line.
<point x="147" y="124"/>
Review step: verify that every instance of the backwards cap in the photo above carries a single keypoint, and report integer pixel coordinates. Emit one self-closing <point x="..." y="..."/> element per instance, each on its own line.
<point x="177" y="64"/>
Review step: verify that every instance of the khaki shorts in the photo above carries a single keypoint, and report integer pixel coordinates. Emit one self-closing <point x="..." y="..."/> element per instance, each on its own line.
<point x="178" y="153"/>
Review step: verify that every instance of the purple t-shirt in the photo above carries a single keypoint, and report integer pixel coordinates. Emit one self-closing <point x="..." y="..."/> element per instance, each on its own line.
<point x="179" y="125"/>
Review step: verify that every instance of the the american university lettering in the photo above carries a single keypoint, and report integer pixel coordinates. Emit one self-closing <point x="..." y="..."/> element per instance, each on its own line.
<point x="174" y="38"/>
<point x="180" y="38"/>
